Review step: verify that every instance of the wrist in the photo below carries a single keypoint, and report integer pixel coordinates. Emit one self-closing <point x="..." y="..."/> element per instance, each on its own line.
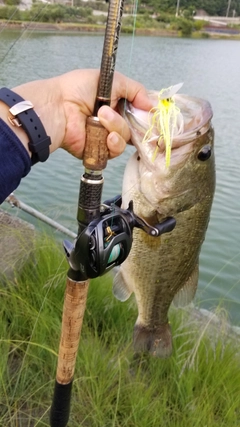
<point x="22" y="114"/>
<point x="19" y="132"/>
<point x="45" y="95"/>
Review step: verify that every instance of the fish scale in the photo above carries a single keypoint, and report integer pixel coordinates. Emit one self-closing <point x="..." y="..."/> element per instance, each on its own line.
<point x="162" y="270"/>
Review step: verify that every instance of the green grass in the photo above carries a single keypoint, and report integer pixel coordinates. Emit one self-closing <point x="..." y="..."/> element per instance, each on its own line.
<point x="198" y="386"/>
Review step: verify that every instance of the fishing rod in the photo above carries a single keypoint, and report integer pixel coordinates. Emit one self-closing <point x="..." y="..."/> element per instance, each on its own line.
<point x="94" y="160"/>
<point x="104" y="230"/>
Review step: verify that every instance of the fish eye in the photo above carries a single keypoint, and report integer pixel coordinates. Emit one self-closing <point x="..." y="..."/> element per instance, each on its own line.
<point x="205" y="153"/>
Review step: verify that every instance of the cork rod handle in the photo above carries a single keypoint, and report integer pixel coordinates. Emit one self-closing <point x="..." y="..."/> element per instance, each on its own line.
<point x="95" y="154"/>
<point x="72" y="320"/>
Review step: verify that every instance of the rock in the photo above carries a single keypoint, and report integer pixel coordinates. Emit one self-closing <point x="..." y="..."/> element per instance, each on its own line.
<point x="16" y="244"/>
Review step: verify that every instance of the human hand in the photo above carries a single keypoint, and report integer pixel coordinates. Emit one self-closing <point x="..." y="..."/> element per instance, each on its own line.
<point x="64" y="103"/>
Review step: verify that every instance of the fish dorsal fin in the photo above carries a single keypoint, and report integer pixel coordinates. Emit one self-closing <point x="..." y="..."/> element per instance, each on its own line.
<point x="121" y="290"/>
<point x="186" y="294"/>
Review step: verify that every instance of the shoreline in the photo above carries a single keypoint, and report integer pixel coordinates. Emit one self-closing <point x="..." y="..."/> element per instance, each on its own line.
<point x="100" y="29"/>
<point x="74" y="27"/>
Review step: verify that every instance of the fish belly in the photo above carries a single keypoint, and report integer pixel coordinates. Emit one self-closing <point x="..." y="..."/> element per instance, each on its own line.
<point x="161" y="269"/>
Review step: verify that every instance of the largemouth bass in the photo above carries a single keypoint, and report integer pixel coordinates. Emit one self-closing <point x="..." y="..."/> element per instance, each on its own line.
<point x="163" y="269"/>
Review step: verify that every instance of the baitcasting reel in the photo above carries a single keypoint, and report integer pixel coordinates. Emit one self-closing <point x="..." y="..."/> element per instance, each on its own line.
<point x="106" y="241"/>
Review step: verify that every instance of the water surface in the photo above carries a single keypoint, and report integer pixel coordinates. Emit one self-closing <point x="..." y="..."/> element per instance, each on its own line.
<point x="210" y="69"/>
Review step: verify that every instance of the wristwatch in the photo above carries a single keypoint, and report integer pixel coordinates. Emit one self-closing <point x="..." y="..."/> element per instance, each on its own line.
<point x="22" y="114"/>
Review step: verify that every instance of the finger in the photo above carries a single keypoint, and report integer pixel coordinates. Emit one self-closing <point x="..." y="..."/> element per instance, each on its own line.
<point x="116" y="144"/>
<point x="132" y="90"/>
<point x="113" y="122"/>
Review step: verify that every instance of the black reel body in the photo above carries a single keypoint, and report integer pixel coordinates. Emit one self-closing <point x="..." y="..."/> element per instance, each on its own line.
<point x="106" y="241"/>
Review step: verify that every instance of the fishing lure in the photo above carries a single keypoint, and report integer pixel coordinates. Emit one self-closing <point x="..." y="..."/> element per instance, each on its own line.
<point x="163" y="117"/>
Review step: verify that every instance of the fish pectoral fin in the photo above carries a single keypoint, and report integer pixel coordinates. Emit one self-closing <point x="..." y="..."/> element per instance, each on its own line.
<point x="186" y="294"/>
<point x="121" y="290"/>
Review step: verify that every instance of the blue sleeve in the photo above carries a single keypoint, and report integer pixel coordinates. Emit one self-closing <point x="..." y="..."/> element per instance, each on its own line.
<point x="15" y="162"/>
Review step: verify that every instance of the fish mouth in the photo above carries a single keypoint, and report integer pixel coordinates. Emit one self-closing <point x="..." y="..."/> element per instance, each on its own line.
<point x="193" y="120"/>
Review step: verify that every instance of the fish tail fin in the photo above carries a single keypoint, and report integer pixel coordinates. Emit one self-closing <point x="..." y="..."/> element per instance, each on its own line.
<point x="157" y="341"/>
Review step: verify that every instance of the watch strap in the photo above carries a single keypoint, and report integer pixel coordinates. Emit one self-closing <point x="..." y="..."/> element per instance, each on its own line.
<point x="39" y="141"/>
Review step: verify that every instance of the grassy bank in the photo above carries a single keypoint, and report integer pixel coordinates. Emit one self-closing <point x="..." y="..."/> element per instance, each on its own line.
<point x="198" y="386"/>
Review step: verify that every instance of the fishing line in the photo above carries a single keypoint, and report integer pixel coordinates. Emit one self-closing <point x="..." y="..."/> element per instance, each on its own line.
<point x="23" y="31"/>
<point x="134" y="14"/>
<point x="8" y="20"/>
<point x="135" y="4"/>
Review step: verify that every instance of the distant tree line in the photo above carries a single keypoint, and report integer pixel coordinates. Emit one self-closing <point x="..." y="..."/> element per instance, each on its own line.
<point x="82" y="13"/>
<point x="212" y="7"/>
<point x="42" y="12"/>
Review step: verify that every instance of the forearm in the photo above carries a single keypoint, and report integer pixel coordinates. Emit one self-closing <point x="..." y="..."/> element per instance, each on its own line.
<point x="15" y="161"/>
